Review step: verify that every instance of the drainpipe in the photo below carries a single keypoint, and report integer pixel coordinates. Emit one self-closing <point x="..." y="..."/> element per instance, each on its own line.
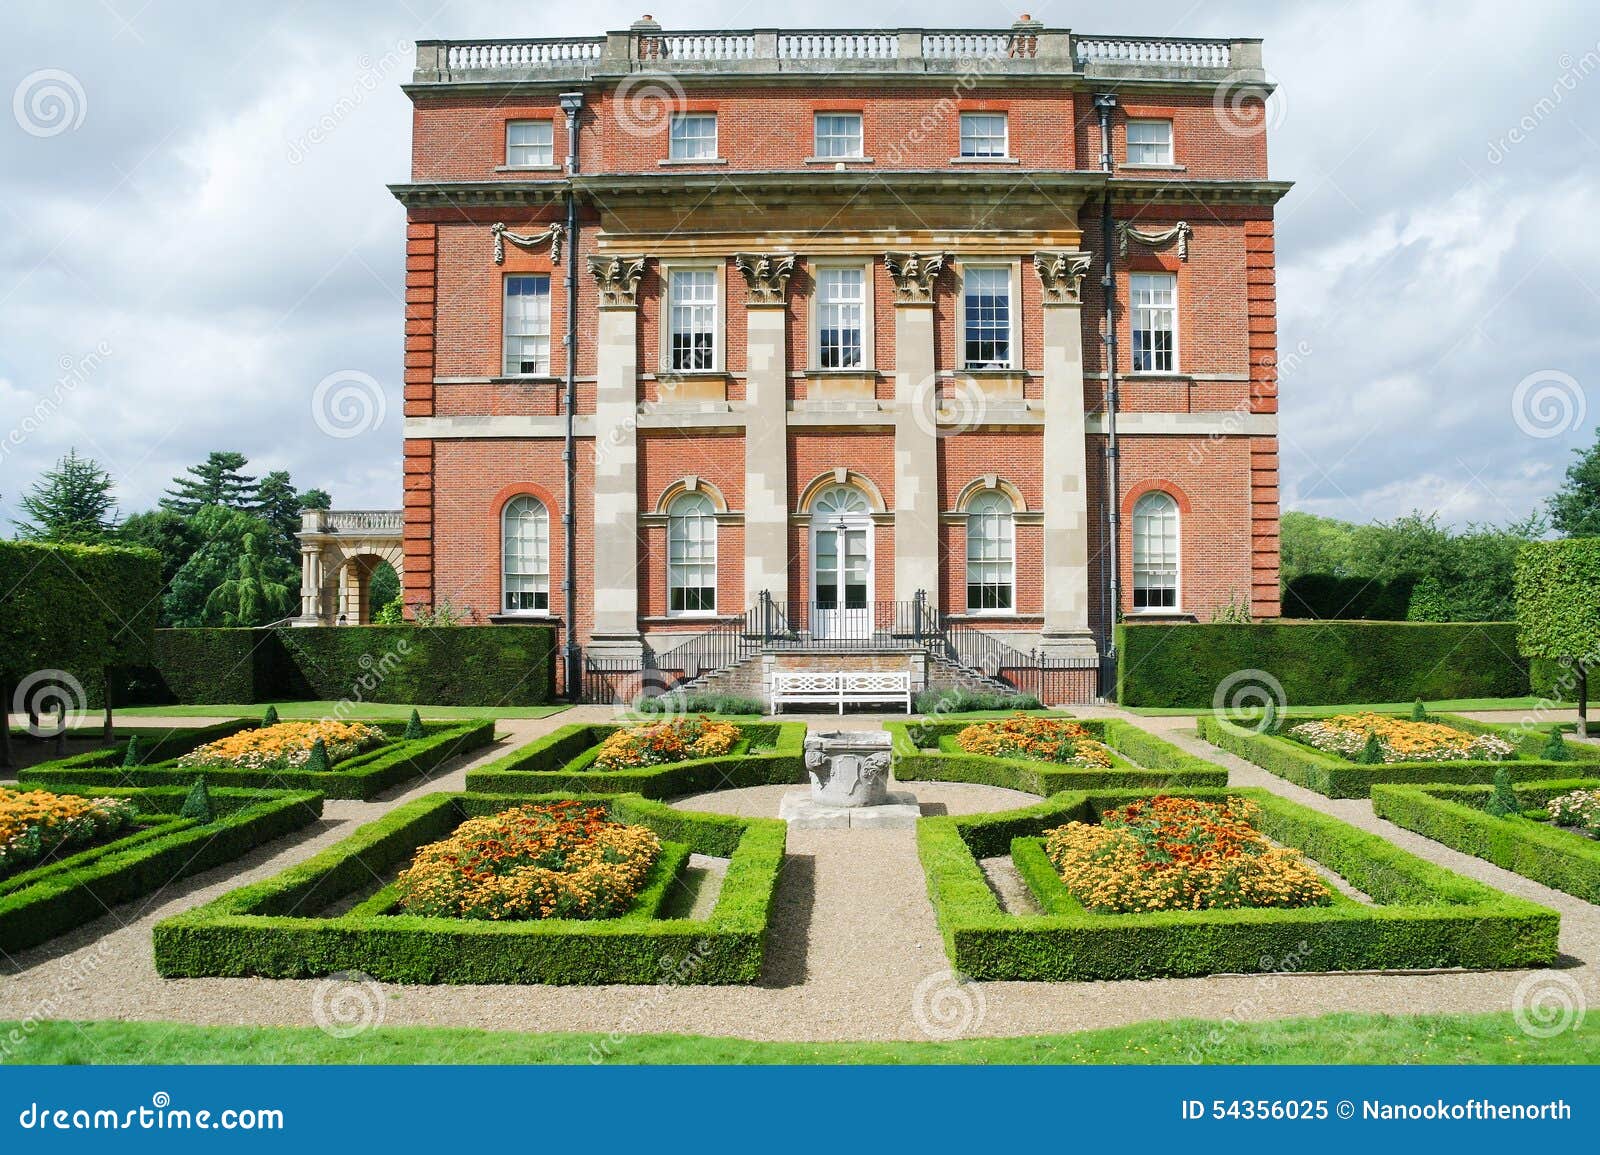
<point x="1103" y="104"/>
<point x="572" y="104"/>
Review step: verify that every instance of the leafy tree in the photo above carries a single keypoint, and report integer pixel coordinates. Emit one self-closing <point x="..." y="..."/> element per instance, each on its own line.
<point x="279" y="506"/>
<point x="383" y="589"/>
<point x="254" y="592"/>
<point x="234" y="578"/>
<point x="218" y="480"/>
<point x="171" y="535"/>
<point x="1558" y="608"/>
<point x="71" y="503"/>
<point x="1575" y="507"/>
<point x="316" y="499"/>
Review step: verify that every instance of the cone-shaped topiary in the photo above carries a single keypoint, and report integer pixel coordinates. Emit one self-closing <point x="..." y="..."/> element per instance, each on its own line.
<point x="1503" y="802"/>
<point x="414" y="729"/>
<point x="1419" y="712"/>
<point x="318" y="760"/>
<point x="130" y="756"/>
<point x="270" y="718"/>
<point x="1555" y="747"/>
<point x="198" y="804"/>
<point x="1372" y="753"/>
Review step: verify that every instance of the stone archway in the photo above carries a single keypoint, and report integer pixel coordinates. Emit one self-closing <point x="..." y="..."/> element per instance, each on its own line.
<point x="339" y="552"/>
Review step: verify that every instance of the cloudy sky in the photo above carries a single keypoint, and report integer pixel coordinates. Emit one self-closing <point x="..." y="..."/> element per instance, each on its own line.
<point x="197" y="250"/>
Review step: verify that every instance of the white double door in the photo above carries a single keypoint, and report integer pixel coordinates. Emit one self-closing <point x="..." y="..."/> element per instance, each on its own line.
<point x="841" y="577"/>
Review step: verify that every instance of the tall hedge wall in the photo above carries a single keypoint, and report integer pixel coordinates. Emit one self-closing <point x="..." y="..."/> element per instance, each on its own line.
<point x="1321" y="663"/>
<point x="444" y="666"/>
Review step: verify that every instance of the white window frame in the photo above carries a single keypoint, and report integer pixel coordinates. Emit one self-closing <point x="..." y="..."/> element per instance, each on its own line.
<point x="548" y="161"/>
<point x="533" y="331"/>
<point x="819" y="308"/>
<point x="535" y="567"/>
<point x="818" y="136"/>
<point x="997" y="553"/>
<point x="1150" y="153"/>
<point x="1005" y="136"/>
<point x="1013" y="302"/>
<point x="686" y="551"/>
<point x="670" y="315"/>
<point x="1171" y="521"/>
<point x="1143" y="317"/>
<point x="683" y="148"/>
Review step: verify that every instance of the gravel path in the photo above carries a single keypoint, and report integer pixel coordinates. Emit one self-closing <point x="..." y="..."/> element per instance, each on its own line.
<point x="854" y="952"/>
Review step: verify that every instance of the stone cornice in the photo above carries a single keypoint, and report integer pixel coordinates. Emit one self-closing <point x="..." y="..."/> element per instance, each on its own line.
<point x="1146" y="190"/>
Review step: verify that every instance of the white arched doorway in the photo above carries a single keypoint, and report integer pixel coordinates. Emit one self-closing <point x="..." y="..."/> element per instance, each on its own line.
<point x="841" y="563"/>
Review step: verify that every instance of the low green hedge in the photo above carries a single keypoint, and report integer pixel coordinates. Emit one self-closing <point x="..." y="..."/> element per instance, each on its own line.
<point x="1320" y="663"/>
<point x="1340" y="778"/>
<point x="262" y="929"/>
<point x="1454" y="815"/>
<point x="1150" y="761"/>
<point x="156" y="744"/>
<point x="40" y="903"/>
<point x="561" y="760"/>
<point x="1424" y="917"/>
<point x="363" y="776"/>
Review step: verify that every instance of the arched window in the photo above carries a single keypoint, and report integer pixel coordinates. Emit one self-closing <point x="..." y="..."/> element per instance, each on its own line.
<point x="1155" y="552"/>
<point x="525" y="556"/>
<point x="691" y="555"/>
<point x="991" y="555"/>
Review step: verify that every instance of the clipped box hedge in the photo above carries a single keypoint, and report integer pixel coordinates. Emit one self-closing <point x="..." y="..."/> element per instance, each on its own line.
<point x="39" y="903"/>
<point x="264" y="929"/>
<point x="1340" y="778"/>
<point x="364" y="776"/>
<point x="770" y="754"/>
<point x="1425" y="916"/>
<point x="1180" y="665"/>
<point x="1454" y="815"/>
<point x="1145" y="760"/>
<point x="156" y="744"/>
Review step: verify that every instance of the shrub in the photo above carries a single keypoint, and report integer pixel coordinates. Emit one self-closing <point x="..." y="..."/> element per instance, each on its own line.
<point x="1503" y="801"/>
<point x="1378" y="738"/>
<point x="287" y="746"/>
<point x="960" y="700"/>
<point x="36" y="823"/>
<point x="413" y="727"/>
<point x="1057" y="740"/>
<point x="270" y="718"/>
<point x="197" y="804"/>
<point x="1555" y="747"/>
<point x="1419" y="712"/>
<point x="675" y="741"/>
<point x="558" y="860"/>
<point x="130" y="756"/>
<point x="1180" y="854"/>
<point x="1181" y="665"/>
<point x="674" y="703"/>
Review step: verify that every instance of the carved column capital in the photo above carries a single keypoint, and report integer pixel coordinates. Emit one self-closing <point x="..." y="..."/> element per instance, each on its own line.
<point x="767" y="274"/>
<point x="914" y="274"/>
<point x="618" y="278"/>
<point x="1061" y="276"/>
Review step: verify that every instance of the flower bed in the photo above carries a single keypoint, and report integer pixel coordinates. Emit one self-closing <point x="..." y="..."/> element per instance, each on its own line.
<point x="1580" y="808"/>
<point x="560" y="860"/>
<point x="678" y="740"/>
<point x="156" y="847"/>
<point x="1419" y="916"/>
<point x="1399" y="740"/>
<point x="1180" y="854"/>
<point x="1058" y="740"/>
<point x="283" y="746"/>
<point x="273" y="929"/>
<point x="36" y="823"/>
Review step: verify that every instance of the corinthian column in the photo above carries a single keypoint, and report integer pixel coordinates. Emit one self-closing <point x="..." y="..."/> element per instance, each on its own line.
<point x="916" y="441"/>
<point x="766" y="439"/>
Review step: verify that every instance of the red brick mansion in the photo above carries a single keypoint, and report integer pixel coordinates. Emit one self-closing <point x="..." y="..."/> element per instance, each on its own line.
<point x="952" y="345"/>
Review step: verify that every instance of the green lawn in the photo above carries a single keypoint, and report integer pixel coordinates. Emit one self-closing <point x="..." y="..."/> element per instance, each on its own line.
<point x="1474" y="1039"/>
<point x="1447" y="706"/>
<point x="364" y="711"/>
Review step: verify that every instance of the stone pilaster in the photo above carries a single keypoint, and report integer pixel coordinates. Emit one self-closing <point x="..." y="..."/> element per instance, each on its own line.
<point x="766" y="445"/>
<point x="916" y="434"/>
<point x="1066" y="485"/>
<point x="616" y="496"/>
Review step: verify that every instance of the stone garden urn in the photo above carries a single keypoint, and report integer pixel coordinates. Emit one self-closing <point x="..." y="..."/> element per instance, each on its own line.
<point x="849" y="767"/>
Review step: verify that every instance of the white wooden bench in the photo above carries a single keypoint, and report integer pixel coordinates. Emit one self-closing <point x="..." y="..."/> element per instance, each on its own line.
<point x="841" y="688"/>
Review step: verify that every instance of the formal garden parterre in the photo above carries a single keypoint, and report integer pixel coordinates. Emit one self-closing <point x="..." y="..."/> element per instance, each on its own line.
<point x="336" y="911"/>
<point x="1419" y="915"/>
